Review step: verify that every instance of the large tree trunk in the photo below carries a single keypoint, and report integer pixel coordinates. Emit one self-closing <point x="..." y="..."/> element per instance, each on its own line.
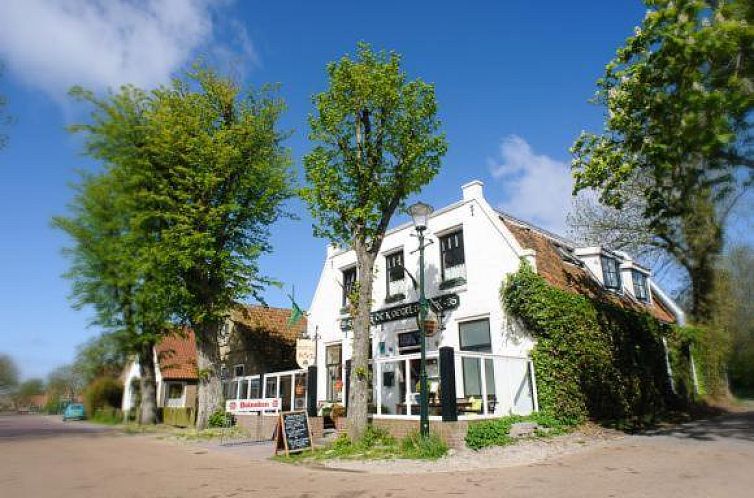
<point x="358" y="396"/>
<point x="210" y="391"/>
<point x="147" y="386"/>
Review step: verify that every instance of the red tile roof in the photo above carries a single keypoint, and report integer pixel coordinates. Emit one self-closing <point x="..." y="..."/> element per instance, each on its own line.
<point x="571" y="277"/>
<point x="177" y="356"/>
<point x="272" y="320"/>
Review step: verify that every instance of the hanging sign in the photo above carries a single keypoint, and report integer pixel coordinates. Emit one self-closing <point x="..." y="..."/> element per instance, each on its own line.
<point x="293" y="433"/>
<point x="441" y="303"/>
<point x="305" y="352"/>
<point x="241" y="406"/>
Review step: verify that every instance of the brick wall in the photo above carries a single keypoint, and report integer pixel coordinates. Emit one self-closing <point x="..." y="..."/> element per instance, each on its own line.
<point x="453" y="433"/>
<point x="262" y="427"/>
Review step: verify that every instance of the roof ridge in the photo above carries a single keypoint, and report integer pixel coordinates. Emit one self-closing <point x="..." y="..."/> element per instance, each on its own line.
<point x="550" y="235"/>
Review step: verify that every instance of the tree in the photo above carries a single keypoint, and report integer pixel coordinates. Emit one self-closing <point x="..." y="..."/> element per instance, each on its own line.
<point x="29" y="388"/>
<point x="8" y="374"/>
<point x="679" y="96"/>
<point x="109" y="259"/>
<point x="64" y="383"/>
<point x="738" y="264"/>
<point x="207" y="173"/>
<point x="377" y="142"/>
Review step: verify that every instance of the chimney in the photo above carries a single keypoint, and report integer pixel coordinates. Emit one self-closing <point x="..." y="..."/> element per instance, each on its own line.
<point x="473" y="190"/>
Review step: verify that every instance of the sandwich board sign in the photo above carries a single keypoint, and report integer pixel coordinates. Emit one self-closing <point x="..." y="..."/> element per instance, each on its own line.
<point x="292" y="433"/>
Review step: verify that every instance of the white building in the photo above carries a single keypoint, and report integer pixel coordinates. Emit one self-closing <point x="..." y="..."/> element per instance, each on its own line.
<point x="473" y="248"/>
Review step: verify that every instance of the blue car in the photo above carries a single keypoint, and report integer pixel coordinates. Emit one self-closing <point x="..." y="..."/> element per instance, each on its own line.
<point x="74" y="411"/>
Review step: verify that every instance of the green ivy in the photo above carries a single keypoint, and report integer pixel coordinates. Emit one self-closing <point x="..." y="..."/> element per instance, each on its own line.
<point x="593" y="359"/>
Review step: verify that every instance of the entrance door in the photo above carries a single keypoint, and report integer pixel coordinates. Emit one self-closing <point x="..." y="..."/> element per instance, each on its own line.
<point x="285" y="392"/>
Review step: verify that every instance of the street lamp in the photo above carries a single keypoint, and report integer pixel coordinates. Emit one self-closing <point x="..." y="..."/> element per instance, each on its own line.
<point x="419" y="214"/>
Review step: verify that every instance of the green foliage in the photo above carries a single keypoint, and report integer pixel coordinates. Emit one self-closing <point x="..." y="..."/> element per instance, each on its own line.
<point x="104" y="392"/>
<point x="592" y="359"/>
<point x="29" y="388"/>
<point x="678" y="97"/>
<point x="416" y="447"/>
<point x="374" y="444"/>
<point x="107" y="415"/>
<point x="8" y="374"/>
<point x="377" y="142"/>
<point x="496" y="432"/>
<point x="219" y="418"/>
<point x="179" y="417"/>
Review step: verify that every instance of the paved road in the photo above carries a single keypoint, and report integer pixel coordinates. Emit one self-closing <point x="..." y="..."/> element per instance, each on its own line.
<point x="704" y="459"/>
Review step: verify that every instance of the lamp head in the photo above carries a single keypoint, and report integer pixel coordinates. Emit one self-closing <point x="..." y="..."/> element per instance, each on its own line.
<point x="420" y="214"/>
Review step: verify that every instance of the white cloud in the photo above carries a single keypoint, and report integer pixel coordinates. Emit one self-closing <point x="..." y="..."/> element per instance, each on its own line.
<point x="54" y="44"/>
<point x="536" y="188"/>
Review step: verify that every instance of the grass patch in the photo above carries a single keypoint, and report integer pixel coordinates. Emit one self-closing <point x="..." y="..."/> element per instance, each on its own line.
<point x="496" y="432"/>
<point x="375" y="444"/>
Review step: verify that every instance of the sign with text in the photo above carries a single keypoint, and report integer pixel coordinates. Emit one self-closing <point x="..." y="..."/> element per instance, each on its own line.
<point x="241" y="406"/>
<point x="293" y="434"/>
<point x="445" y="302"/>
<point x="305" y="352"/>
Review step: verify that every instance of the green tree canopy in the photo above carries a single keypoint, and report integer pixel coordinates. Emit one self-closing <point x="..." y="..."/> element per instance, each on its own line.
<point x="678" y="97"/>
<point x="8" y="374"/>
<point x="377" y="141"/>
<point x="204" y="168"/>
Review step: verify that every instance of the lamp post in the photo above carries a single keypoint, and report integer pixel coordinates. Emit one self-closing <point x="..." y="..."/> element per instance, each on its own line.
<point x="419" y="214"/>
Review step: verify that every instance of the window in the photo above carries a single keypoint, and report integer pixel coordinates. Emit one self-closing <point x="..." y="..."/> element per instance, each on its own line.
<point x="238" y="370"/>
<point x="640" y="286"/>
<point x="452" y="257"/>
<point x="256" y="389"/>
<point x="271" y="387"/>
<point x="409" y="342"/>
<point x="349" y="280"/>
<point x="475" y="336"/>
<point x="175" y="391"/>
<point x="610" y="273"/>
<point x="334" y="359"/>
<point x="394" y="274"/>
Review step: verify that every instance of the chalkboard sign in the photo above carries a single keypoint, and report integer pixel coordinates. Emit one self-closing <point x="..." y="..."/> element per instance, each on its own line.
<point x="293" y="434"/>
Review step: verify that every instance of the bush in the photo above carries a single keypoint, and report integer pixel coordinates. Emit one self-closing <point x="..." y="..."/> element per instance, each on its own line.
<point x="220" y="419"/>
<point x="108" y="415"/>
<point x="104" y="392"/>
<point x="430" y="448"/>
<point x="496" y="432"/>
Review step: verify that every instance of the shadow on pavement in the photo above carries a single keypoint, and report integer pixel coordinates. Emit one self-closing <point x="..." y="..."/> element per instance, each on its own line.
<point x="732" y="426"/>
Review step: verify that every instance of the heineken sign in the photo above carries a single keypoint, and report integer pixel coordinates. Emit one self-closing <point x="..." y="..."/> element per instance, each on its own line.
<point x="446" y="302"/>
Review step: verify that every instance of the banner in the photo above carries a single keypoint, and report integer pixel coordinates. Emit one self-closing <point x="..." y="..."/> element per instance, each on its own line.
<point x="241" y="406"/>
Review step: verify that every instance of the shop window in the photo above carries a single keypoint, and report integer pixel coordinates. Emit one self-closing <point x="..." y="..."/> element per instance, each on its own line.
<point x="271" y="387"/>
<point x="640" y="286"/>
<point x="453" y="259"/>
<point x="472" y="376"/>
<point x="610" y="273"/>
<point x="349" y="281"/>
<point x="334" y="362"/>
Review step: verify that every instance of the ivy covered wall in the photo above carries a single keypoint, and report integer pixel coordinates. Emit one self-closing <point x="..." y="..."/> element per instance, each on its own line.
<point x="595" y="359"/>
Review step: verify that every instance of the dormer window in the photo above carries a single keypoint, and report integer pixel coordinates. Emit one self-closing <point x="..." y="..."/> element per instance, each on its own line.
<point x="395" y="275"/>
<point x="452" y="258"/>
<point x="640" y="286"/>
<point x="610" y="273"/>
<point x="349" y="280"/>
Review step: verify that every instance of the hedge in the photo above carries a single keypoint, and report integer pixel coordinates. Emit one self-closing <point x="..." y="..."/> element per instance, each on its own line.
<point x="594" y="359"/>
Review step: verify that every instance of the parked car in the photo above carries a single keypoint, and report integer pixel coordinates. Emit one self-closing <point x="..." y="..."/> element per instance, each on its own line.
<point x="74" y="411"/>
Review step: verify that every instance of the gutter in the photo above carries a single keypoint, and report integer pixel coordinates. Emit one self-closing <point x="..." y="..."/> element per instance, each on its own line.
<point x="680" y="316"/>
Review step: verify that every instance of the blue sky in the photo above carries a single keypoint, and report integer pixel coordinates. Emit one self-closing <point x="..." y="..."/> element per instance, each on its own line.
<point x="512" y="80"/>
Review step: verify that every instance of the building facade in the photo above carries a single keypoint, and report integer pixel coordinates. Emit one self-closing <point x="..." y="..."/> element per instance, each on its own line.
<point x="479" y="355"/>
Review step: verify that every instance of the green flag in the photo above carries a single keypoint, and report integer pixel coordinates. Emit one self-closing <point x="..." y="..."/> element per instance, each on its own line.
<point x="296" y="312"/>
